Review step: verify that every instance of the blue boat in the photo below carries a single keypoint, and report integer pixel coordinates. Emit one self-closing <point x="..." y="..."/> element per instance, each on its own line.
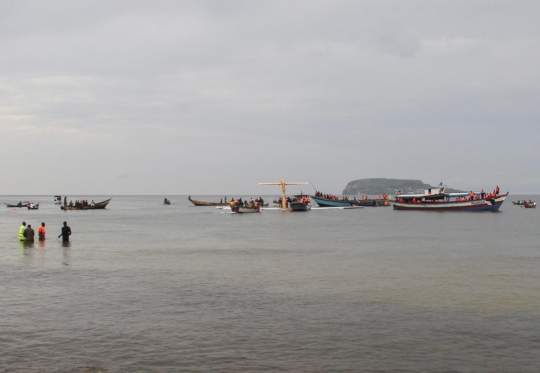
<point x="326" y="202"/>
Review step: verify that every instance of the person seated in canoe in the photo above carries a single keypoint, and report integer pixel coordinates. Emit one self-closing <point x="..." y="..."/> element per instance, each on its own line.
<point x="93" y="203"/>
<point x="19" y="204"/>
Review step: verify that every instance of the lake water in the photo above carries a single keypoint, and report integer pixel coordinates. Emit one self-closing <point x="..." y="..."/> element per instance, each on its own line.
<point x="144" y="287"/>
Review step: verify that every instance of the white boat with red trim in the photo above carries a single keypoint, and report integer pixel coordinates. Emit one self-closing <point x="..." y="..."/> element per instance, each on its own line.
<point x="437" y="199"/>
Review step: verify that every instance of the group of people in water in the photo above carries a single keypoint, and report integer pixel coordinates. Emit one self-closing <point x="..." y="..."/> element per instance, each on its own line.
<point x="27" y="233"/>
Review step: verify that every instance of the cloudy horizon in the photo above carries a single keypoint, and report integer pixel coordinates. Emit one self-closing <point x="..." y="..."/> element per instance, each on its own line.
<point x="212" y="97"/>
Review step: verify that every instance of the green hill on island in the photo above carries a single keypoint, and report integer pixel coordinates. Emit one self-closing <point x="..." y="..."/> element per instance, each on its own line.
<point x="381" y="186"/>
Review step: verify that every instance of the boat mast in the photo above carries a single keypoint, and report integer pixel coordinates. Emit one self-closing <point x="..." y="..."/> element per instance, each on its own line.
<point x="283" y="191"/>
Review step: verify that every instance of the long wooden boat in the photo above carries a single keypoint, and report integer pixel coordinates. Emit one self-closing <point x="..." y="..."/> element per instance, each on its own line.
<point x="436" y="199"/>
<point x="371" y="202"/>
<point x="244" y="210"/>
<point x="36" y="207"/>
<point x="203" y="203"/>
<point x="95" y="206"/>
<point x="24" y="204"/>
<point x="325" y="202"/>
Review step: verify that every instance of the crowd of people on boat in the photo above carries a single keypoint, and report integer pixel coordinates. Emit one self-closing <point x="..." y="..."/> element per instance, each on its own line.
<point x="472" y="197"/>
<point x="303" y="199"/>
<point x="78" y="203"/>
<point x="248" y="204"/>
<point x="385" y="197"/>
<point x="328" y="196"/>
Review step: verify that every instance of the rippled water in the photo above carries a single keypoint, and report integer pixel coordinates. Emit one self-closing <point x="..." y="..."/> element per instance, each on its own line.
<point x="144" y="287"/>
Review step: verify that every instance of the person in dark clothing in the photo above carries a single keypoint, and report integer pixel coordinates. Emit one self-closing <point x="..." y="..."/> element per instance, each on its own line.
<point x="66" y="232"/>
<point x="29" y="234"/>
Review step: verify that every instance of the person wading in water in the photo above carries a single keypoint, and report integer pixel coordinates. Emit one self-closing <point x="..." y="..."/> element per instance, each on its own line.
<point x="41" y="232"/>
<point x="66" y="232"/>
<point x="21" y="231"/>
<point x="29" y="234"/>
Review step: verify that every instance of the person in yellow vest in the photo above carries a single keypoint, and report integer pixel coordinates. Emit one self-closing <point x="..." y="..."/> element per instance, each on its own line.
<point x="21" y="231"/>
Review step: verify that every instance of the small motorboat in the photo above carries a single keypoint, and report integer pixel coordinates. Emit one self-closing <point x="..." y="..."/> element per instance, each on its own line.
<point x="166" y="201"/>
<point x="519" y="202"/>
<point x="301" y="202"/>
<point x="31" y="206"/>
<point x="529" y="205"/>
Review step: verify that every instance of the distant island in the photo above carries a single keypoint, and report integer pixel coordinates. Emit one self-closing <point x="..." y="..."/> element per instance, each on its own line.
<point x="388" y="186"/>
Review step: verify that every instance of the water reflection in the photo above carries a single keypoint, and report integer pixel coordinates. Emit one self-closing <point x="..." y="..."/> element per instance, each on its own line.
<point x="41" y="256"/>
<point x="26" y="252"/>
<point x="66" y="253"/>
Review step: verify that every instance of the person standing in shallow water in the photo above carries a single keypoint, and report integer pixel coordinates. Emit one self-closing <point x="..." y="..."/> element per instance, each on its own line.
<point x="41" y="232"/>
<point x="66" y="232"/>
<point x="21" y="231"/>
<point x="29" y="234"/>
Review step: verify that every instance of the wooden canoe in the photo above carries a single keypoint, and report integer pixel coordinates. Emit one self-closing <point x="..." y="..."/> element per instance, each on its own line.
<point x="203" y="203"/>
<point x="16" y="205"/>
<point x="96" y="206"/>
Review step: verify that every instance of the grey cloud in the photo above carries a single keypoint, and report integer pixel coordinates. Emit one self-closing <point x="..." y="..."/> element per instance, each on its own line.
<point x="330" y="91"/>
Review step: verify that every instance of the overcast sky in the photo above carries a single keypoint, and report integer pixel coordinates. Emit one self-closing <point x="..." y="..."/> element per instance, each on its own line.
<point x="212" y="97"/>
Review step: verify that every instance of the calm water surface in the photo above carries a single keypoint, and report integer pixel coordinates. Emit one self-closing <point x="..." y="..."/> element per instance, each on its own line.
<point x="144" y="287"/>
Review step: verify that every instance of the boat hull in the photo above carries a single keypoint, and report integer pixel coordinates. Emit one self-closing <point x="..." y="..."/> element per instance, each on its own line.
<point x="299" y="206"/>
<point x="371" y="203"/>
<point x="245" y="210"/>
<point x="96" y="206"/>
<point x="324" y="202"/>
<point x="203" y="203"/>
<point x="8" y="205"/>
<point x="493" y="204"/>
